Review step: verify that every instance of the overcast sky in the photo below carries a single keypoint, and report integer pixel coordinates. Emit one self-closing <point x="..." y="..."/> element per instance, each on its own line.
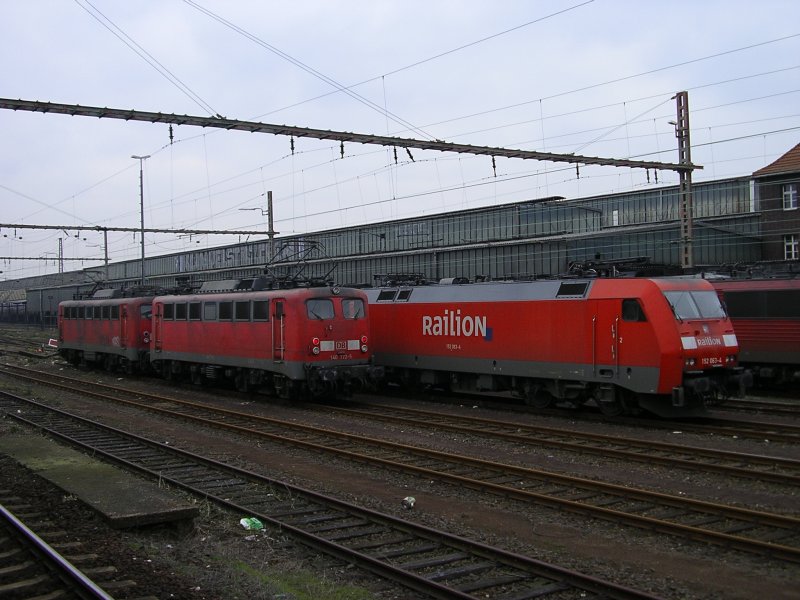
<point x="592" y="78"/>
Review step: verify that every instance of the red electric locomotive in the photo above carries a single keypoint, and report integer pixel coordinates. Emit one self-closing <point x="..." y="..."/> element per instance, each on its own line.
<point x="665" y="346"/>
<point x="309" y="339"/>
<point x="107" y="330"/>
<point x="766" y="315"/>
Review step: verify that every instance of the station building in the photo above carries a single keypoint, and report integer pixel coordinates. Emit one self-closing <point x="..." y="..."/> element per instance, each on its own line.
<point x="736" y="221"/>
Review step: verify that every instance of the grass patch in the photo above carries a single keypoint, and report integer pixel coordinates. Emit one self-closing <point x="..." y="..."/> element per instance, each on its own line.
<point x="302" y="585"/>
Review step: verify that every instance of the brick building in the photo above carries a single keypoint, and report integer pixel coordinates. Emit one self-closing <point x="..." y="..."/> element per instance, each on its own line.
<point x="776" y="189"/>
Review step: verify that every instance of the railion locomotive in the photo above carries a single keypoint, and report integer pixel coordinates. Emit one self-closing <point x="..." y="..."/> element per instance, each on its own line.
<point x="661" y="345"/>
<point x="312" y="340"/>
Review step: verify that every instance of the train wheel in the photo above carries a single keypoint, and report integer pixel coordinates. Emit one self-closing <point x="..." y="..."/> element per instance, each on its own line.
<point x="196" y="375"/>
<point x="108" y="363"/>
<point x="166" y="370"/>
<point x="614" y="408"/>
<point x="537" y="397"/>
<point x="242" y="380"/>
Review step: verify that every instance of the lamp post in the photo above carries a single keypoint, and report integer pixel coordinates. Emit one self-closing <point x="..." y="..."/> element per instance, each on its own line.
<point x="141" y="160"/>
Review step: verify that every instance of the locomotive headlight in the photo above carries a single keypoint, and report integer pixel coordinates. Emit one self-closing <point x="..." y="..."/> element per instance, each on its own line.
<point x="364" y="347"/>
<point x="315" y="350"/>
<point x="690" y="362"/>
<point x="315" y="346"/>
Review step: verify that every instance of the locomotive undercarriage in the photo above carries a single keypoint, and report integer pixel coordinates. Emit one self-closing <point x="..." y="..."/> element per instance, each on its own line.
<point x="317" y="382"/>
<point x="109" y="362"/>
<point x="543" y="393"/>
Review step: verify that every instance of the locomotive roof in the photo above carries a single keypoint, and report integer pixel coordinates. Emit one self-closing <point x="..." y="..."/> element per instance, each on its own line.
<point x="546" y="289"/>
<point x="296" y="293"/>
<point x="108" y="301"/>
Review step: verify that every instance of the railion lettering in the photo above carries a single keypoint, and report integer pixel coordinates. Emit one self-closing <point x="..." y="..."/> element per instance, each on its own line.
<point x="709" y="341"/>
<point x="453" y="324"/>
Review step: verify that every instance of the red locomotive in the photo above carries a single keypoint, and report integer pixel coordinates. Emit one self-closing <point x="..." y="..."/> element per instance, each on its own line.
<point x="665" y="346"/>
<point x="107" y="330"/>
<point x="311" y="340"/>
<point x="766" y="315"/>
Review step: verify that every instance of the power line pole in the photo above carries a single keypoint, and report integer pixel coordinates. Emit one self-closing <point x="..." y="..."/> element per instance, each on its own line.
<point x="141" y="160"/>
<point x="684" y="178"/>
<point x="271" y="230"/>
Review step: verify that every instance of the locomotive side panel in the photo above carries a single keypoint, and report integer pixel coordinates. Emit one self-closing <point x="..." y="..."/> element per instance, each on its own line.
<point x="621" y="343"/>
<point x="520" y="330"/>
<point x="308" y="337"/>
<point x="115" y="331"/>
<point x="565" y="339"/>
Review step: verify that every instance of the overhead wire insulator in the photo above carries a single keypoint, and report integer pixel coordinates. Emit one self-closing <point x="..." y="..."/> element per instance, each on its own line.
<point x="291" y="144"/>
<point x="494" y="167"/>
<point x="577" y="171"/>
<point x="170" y="134"/>
<point x="341" y="148"/>
<point x="395" y="154"/>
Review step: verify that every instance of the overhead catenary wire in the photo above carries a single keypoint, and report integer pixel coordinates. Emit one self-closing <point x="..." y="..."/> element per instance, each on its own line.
<point x="101" y="18"/>
<point x="308" y="69"/>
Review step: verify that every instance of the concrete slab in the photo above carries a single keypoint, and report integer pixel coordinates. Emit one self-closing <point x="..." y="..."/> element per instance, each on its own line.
<point x="122" y="498"/>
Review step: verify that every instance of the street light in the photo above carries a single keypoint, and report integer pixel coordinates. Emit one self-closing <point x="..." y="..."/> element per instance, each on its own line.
<point x="141" y="160"/>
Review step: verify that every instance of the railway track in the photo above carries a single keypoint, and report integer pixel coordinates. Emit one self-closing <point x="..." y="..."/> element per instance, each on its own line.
<point x="759" y="532"/>
<point x="717" y="423"/>
<point x="429" y="561"/>
<point x="751" y="466"/>
<point x="762" y="406"/>
<point x="30" y="567"/>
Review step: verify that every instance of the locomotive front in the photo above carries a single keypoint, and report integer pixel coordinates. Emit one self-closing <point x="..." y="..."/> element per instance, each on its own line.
<point x="709" y="350"/>
<point x="333" y="343"/>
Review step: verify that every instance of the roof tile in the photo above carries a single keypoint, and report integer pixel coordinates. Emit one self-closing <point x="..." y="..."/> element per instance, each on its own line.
<point x="788" y="163"/>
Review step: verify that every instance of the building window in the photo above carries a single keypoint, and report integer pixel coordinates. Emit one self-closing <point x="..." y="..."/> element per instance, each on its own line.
<point x="791" y="247"/>
<point x="789" y="196"/>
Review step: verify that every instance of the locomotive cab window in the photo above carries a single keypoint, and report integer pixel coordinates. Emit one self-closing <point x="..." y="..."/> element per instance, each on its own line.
<point x="226" y="311"/>
<point x="319" y="308"/>
<point x="180" y="311"/>
<point x="353" y="308"/>
<point x="695" y="305"/>
<point x="169" y="312"/>
<point x="260" y="310"/>
<point x="632" y="311"/>
<point x="106" y="312"/>
<point x="98" y="312"/>
<point x="242" y="310"/>
<point x="404" y="295"/>
<point x="194" y="311"/>
<point x="115" y="312"/>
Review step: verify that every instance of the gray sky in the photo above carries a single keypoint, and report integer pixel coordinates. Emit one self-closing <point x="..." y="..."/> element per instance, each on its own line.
<point x="593" y="78"/>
